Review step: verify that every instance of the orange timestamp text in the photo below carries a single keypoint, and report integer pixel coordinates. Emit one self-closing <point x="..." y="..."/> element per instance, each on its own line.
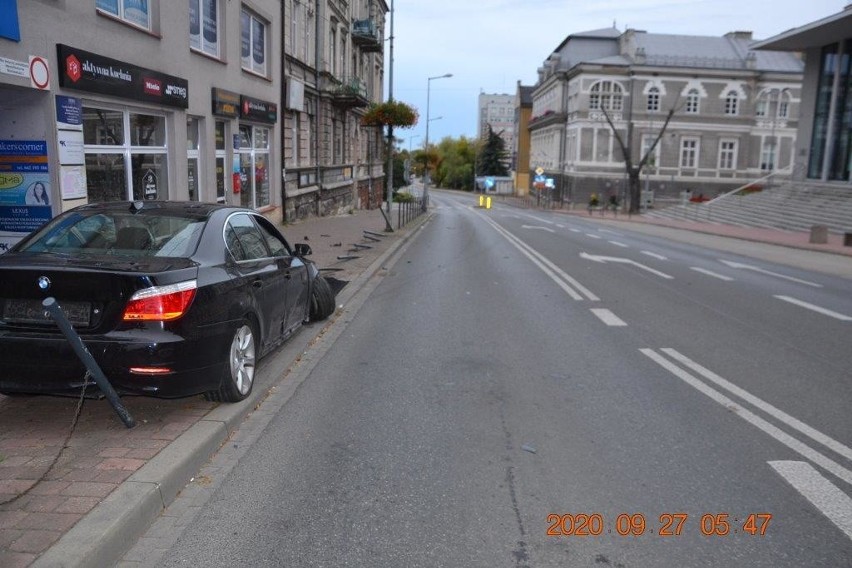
<point x="668" y="524"/>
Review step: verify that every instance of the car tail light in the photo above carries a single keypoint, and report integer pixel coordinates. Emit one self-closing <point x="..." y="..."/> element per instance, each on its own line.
<point x="160" y="303"/>
<point x="150" y="371"/>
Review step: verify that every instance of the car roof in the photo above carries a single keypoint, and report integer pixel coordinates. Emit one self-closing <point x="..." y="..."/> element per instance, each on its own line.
<point x="188" y="208"/>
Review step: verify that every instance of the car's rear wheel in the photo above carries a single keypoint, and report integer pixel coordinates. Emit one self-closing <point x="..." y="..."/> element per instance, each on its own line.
<point x="239" y="372"/>
<point x="322" y="300"/>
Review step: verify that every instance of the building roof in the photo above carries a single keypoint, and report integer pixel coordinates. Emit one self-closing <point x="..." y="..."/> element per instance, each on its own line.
<point x="821" y="32"/>
<point x="732" y="51"/>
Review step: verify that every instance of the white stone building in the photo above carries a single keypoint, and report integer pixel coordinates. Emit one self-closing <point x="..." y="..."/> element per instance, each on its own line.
<point x="734" y="112"/>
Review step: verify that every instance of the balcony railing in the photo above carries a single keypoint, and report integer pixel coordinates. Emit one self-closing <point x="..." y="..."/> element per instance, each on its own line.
<point x="365" y="34"/>
<point x="350" y="92"/>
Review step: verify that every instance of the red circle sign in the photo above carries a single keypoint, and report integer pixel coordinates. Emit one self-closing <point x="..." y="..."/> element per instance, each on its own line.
<point x="39" y="72"/>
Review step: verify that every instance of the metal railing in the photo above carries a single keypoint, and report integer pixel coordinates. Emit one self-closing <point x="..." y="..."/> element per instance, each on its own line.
<point x="407" y="211"/>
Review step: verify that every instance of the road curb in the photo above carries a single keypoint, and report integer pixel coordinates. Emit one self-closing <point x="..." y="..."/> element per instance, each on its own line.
<point x="105" y="534"/>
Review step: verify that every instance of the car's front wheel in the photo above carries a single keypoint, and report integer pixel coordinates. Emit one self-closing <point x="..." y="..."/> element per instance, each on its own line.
<point x="322" y="300"/>
<point x="239" y="372"/>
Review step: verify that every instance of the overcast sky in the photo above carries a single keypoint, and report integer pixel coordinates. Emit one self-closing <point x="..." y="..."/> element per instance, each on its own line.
<point x="490" y="45"/>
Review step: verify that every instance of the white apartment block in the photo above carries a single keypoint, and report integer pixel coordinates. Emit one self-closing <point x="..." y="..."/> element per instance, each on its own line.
<point x="498" y="110"/>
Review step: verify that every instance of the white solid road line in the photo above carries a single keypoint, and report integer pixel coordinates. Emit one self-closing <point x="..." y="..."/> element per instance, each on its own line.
<point x="814" y="308"/>
<point x="750" y="417"/>
<point x="711" y="273"/>
<point x="555" y="273"/>
<point x="824" y="495"/>
<point x="608" y="317"/>
<point x="811" y="433"/>
<point x="654" y="255"/>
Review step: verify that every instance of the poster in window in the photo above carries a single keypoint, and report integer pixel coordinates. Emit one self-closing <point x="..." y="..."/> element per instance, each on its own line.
<point x="258" y="51"/>
<point x="110" y="6"/>
<point x="245" y="26"/>
<point x="136" y="12"/>
<point x="210" y="21"/>
<point x="194" y="24"/>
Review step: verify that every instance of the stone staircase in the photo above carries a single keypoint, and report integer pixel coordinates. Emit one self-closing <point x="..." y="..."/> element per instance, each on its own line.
<point x="793" y="206"/>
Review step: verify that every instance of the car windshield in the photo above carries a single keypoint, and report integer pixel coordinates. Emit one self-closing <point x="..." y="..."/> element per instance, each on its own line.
<point x="117" y="232"/>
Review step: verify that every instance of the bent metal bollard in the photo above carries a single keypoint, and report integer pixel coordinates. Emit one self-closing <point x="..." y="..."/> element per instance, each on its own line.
<point x="73" y="338"/>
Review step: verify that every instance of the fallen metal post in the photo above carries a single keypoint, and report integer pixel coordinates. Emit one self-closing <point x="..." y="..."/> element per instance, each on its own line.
<point x="95" y="371"/>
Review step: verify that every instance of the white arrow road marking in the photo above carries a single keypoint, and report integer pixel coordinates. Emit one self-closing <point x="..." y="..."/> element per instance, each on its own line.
<point x="750" y="417"/>
<point x="608" y="317"/>
<point x="711" y="273"/>
<point x="625" y="261"/>
<point x="812" y="307"/>
<point x="824" y="495"/>
<point x="654" y="255"/>
<point x="551" y="270"/>
<point x="769" y="272"/>
<point x="548" y="229"/>
<point x="618" y="244"/>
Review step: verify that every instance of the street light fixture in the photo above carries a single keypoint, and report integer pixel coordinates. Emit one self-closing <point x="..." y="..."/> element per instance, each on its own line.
<point x="426" y="168"/>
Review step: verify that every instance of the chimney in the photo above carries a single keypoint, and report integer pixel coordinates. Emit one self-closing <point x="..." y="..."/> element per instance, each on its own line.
<point x="739" y="35"/>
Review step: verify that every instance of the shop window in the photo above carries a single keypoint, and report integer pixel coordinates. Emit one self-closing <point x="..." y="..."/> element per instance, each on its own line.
<point x="204" y="26"/>
<point x="193" y="126"/>
<point x="253" y="42"/>
<point x="126" y="155"/>
<point x="254" y="166"/>
<point x="136" y="12"/>
<point x="220" y="161"/>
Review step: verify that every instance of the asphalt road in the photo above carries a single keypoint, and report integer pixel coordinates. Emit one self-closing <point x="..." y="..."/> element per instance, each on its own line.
<point x="510" y="375"/>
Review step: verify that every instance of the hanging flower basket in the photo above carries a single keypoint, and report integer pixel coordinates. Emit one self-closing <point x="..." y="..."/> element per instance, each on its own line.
<point x="391" y="113"/>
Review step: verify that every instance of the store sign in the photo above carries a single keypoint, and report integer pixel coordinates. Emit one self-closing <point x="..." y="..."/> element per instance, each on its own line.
<point x="9" y="26"/>
<point x="85" y="71"/>
<point x="256" y="109"/>
<point x="225" y="103"/>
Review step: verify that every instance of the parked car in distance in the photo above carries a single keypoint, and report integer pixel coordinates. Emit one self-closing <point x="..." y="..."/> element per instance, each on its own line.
<point x="171" y="298"/>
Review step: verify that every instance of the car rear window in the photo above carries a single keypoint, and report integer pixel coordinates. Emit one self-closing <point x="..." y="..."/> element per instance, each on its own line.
<point x="118" y="232"/>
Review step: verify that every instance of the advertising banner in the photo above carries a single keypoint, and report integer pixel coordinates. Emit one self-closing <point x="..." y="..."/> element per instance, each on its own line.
<point x="24" y="189"/>
<point x="95" y="73"/>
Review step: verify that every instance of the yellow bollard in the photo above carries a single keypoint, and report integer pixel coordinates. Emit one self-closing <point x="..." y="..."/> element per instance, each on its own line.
<point x="481" y="199"/>
<point x="488" y="202"/>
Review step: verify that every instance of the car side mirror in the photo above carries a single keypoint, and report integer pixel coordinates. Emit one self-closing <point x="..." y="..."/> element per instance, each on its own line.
<point x="303" y="249"/>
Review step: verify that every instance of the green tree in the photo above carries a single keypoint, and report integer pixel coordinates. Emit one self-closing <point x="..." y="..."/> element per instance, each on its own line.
<point x="457" y="156"/>
<point x="493" y="157"/>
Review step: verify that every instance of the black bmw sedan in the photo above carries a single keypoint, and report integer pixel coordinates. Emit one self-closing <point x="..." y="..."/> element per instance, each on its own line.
<point x="170" y="298"/>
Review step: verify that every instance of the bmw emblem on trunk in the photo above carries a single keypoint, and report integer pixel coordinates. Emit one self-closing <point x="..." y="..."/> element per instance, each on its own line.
<point x="44" y="282"/>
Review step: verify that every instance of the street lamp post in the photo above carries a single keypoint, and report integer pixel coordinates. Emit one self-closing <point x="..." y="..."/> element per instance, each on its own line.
<point x="426" y="168"/>
<point x="409" y="161"/>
